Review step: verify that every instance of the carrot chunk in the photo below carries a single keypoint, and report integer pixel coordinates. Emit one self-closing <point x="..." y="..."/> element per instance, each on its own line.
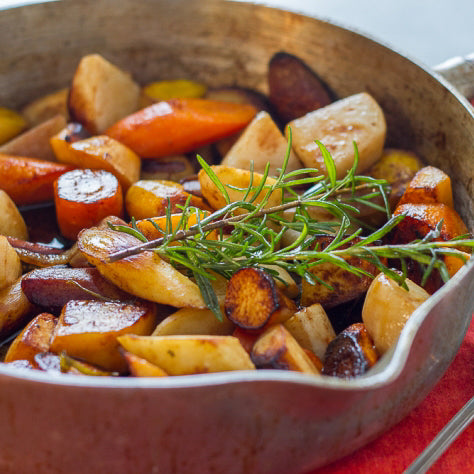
<point x="180" y="125"/>
<point x="84" y="197"/>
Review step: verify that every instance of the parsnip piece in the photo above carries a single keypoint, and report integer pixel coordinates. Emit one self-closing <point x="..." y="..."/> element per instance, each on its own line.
<point x="142" y="368"/>
<point x="46" y="107"/>
<point x="236" y="178"/>
<point x="14" y="308"/>
<point x="284" y="281"/>
<point x="312" y="329"/>
<point x="356" y="118"/>
<point x="387" y="308"/>
<point x="351" y="353"/>
<point x="34" y="143"/>
<point x="182" y="355"/>
<point x="187" y="321"/>
<point x="101" y="94"/>
<point x="276" y="348"/>
<point x="145" y="275"/>
<point x="262" y="142"/>
<point x="34" y="338"/>
<point x="170" y="168"/>
<point x="10" y="264"/>
<point x="12" y="223"/>
<point x="89" y="330"/>
<point x="253" y="300"/>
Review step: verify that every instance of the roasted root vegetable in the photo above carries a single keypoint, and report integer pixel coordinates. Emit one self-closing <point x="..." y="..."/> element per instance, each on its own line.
<point x="174" y="89"/>
<point x="101" y="94"/>
<point x="357" y="118"/>
<point x="101" y="153"/>
<point x="89" y="330"/>
<point x="11" y="124"/>
<point x="312" y="329"/>
<point x="140" y="367"/>
<point x="351" y="353"/>
<point x="47" y="107"/>
<point x="12" y="223"/>
<point x="253" y="300"/>
<point x="295" y="89"/>
<point x="28" y="180"/>
<point x="150" y="198"/>
<point x="180" y="125"/>
<point x="171" y="168"/>
<point x="84" y="197"/>
<point x="33" y="339"/>
<point x="387" y="308"/>
<point x="34" y="143"/>
<point x="276" y="348"/>
<point x="184" y="355"/>
<point x="10" y="264"/>
<point x="145" y="275"/>
<point x="261" y="142"/>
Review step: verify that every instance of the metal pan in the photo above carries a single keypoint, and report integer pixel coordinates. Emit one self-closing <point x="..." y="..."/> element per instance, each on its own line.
<point x="265" y="422"/>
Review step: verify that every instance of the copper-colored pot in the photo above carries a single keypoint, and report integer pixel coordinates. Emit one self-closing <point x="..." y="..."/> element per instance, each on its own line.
<point x="263" y="422"/>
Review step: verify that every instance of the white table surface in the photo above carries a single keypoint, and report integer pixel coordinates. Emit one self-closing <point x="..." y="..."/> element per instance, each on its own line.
<point x="429" y="31"/>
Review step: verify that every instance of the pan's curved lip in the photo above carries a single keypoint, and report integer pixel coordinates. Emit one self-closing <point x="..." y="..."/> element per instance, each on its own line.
<point x="397" y="359"/>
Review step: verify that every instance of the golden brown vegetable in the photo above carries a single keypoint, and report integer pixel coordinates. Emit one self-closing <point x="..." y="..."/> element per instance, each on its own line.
<point x="10" y="264"/>
<point x="170" y="168"/>
<point x="174" y="89"/>
<point x="140" y="367"/>
<point x="12" y="223"/>
<point x="46" y="107"/>
<point x="11" y="124"/>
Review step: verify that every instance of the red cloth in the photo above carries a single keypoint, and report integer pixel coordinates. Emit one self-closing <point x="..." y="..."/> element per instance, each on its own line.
<point x="394" y="451"/>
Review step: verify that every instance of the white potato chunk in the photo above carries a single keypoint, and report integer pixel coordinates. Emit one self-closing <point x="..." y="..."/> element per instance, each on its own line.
<point x="356" y="118"/>
<point x="101" y="94"/>
<point x="182" y="355"/>
<point x="387" y="308"/>
<point x="261" y="142"/>
<point x="12" y="223"/>
<point x="10" y="264"/>
<point x="312" y="329"/>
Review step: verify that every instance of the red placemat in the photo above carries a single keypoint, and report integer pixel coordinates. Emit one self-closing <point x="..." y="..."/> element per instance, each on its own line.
<point x="394" y="451"/>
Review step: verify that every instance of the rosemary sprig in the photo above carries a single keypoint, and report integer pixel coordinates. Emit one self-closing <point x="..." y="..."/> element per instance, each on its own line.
<point x="258" y="231"/>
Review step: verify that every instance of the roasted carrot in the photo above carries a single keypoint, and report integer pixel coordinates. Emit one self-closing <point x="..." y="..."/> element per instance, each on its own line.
<point x="84" y="197"/>
<point x="180" y="125"/>
<point x="28" y="180"/>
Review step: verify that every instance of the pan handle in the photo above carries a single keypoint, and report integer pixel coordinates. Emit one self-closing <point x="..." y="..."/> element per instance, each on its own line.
<point x="460" y="72"/>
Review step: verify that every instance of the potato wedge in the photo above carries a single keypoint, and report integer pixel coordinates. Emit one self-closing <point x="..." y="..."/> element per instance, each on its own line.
<point x="89" y="330"/>
<point x="33" y="339"/>
<point x="187" y="321"/>
<point x="102" y="153"/>
<point x="101" y="94"/>
<point x="140" y="367"/>
<point x="35" y="142"/>
<point x="356" y="118"/>
<point x="312" y="329"/>
<point x="351" y="353"/>
<point x="262" y="142"/>
<point x="276" y="348"/>
<point x="10" y="264"/>
<point x="387" y="308"/>
<point x="46" y="107"/>
<point x="145" y="275"/>
<point x="253" y="300"/>
<point x="184" y="355"/>
<point x="12" y="223"/>
<point x="237" y="178"/>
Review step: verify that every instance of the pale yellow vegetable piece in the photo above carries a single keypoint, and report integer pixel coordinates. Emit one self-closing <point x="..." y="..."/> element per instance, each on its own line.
<point x="12" y="223"/>
<point x="284" y="281"/>
<point x="139" y="367"/>
<point x="237" y="178"/>
<point x="175" y="89"/>
<point x="101" y="94"/>
<point x="262" y="142"/>
<point x="145" y="275"/>
<point x="356" y="118"/>
<point x="187" y="321"/>
<point x="182" y="355"/>
<point x="47" y="106"/>
<point x="11" y="124"/>
<point x="387" y="308"/>
<point x="312" y="329"/>
<point x="10" y="264"/>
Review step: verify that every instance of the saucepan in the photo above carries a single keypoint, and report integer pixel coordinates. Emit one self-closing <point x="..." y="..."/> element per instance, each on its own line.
<point x="264" y="422"/>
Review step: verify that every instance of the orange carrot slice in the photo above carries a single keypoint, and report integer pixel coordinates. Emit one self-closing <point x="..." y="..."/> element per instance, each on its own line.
<point x="84" y="197"/>
<point x="28" y="180"/>
<point x="180" y="125"/>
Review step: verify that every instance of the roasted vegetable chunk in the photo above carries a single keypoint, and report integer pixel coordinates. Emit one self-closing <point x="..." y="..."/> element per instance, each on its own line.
<point x="12" y="223"/>
<point x="10" y="264"/>
<point x="351" y="353"/>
